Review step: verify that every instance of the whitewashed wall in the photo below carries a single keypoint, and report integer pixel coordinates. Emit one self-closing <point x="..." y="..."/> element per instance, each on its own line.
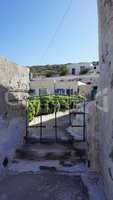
<point x="77" y="67"/>
<point x="49" y="84"/>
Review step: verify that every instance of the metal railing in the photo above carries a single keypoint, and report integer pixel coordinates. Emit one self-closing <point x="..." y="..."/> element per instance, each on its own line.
<point x="57" y="122"/>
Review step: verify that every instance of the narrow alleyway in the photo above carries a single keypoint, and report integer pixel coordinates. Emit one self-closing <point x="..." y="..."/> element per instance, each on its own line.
<point x="51" y="171"/>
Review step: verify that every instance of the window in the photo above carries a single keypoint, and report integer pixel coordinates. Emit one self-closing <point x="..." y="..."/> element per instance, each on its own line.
<point x="60" y="91"/>
<point x="73" y="71"/>
<point x="32" y="91"/>
<point x="43" y="91"/>
<point x="69" y="91"/>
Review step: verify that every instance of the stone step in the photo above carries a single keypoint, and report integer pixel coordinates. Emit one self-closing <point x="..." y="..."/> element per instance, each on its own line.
<point x="48" y="152"/>
<point x="43" y="152"/>
<point x="35" y="140"/>
<point x="67" y="166"/>
<point x="80" y="145"/>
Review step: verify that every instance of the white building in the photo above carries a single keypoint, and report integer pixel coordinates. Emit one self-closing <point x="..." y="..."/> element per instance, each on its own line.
<point x="55" y="85"/>
<point x="65" y="85"/>
<point x="76" y="68"/>
<point x="68" y="84"/>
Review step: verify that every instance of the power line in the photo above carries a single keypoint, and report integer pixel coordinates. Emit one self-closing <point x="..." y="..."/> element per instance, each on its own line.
<point x="57" y="29"/>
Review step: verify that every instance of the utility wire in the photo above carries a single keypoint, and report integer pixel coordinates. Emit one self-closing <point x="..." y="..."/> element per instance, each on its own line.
<point x="57" y="29"/>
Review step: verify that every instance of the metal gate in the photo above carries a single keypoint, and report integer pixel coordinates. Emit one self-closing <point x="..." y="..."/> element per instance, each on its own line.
<point x="55" y="126"/>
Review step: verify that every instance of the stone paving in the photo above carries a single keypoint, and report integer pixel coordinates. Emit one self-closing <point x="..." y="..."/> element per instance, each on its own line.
<point x="26" y="180"/>
<point x="43" y="186"/>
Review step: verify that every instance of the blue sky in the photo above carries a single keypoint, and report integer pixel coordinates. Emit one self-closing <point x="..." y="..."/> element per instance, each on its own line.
<point x="27" y="26"/>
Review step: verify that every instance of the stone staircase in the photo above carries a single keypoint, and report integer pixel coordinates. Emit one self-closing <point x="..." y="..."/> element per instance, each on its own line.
<point x="53" y="151"/>
<point x="43" y="152"/>
<point x="53" y="157"/>
<point x="65" y="150"/>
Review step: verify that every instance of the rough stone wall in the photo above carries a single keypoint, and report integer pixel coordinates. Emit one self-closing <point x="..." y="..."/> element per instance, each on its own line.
<point x="14" y="86"/>
<point x="105" y="9"/>
<point x="93" y="137"/>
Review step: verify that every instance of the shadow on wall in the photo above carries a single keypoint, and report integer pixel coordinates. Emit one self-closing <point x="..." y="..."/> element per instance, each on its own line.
<point x="12" y="123"/>
<point x="49" y="126"/>
<point x="59" y="125"/>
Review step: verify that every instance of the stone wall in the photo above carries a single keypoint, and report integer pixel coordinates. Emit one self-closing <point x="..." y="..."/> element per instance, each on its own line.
<point x="93" y="137"/>
<point x="14" y="86"/>
<point x="105" y="106"/>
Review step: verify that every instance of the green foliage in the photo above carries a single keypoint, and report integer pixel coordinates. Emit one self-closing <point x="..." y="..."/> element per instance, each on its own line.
<point x="51" y="103"/>
<point x="44" y="102"/>
<point x="33" y="108"/>
<point x="63" y="71"/>
<point x="49" y="70"/>
<point x="49" y="74"/>
<point x="54" y="105"/>
<point x="37" y="107"/>
<point x="64" y="102"/>
<point x="84" y="71"/>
